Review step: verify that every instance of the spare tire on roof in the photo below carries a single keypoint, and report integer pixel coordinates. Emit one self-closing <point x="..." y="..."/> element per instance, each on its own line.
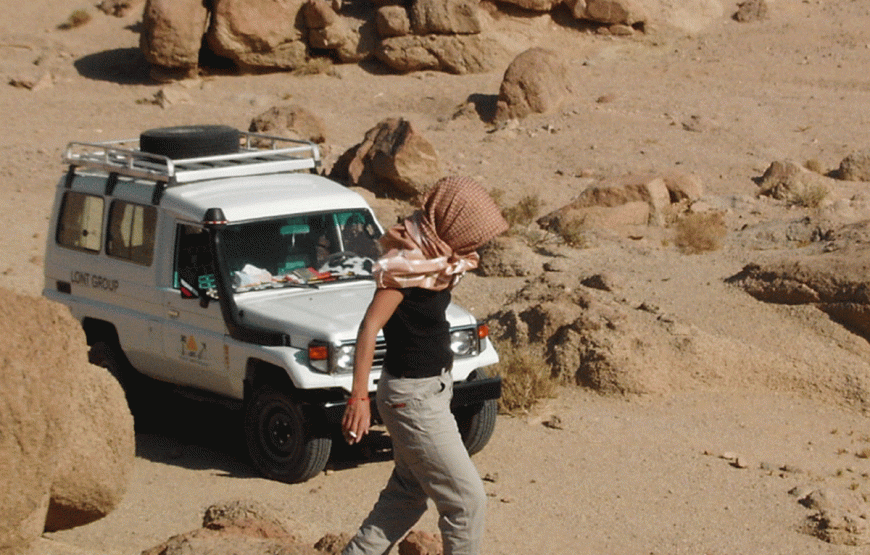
<point x="190" y="141"/>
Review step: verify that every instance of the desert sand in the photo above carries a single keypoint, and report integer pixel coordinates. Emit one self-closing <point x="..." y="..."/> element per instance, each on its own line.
<point x="713" y="465"/>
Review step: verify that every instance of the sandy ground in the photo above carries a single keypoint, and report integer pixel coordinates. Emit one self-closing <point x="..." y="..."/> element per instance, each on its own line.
<point x="639" y="475"/>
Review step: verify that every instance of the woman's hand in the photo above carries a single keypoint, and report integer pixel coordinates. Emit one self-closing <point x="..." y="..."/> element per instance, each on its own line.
<point x="358" y="413"/>
<point x="357" y="419"/>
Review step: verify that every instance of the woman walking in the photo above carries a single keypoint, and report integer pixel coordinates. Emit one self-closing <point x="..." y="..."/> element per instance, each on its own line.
<point x="426" y="255"/>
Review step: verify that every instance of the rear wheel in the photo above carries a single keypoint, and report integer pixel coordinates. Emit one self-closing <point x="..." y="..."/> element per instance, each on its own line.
<point x="477" y="422"/>
<point x="283" y="443"/>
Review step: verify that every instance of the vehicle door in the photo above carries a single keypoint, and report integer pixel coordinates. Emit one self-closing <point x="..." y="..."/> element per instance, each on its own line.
<point x="194" y="333"/>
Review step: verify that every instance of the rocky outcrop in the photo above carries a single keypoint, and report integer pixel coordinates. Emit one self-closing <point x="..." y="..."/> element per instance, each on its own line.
<point x="536" y="81"/>
<point x="835" y="282"/>
<point x="449" y="36"/>
<point x="790" y="182"/>
<point x="625" y="201"/>
<point x="253" y="528"/>
<point x="66" y="432"/>
<point x="444" y="17"/>
<point x="172" y="33"/>
<point x="392" y="160"/>
<point x="838" y="516"/>
<point x="855" y="166"/>
<point x="457" y="54"/>
<point x="259" y="34"/>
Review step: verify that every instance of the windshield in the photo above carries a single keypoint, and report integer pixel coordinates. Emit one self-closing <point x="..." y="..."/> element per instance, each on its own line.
<point x="300" y="250"/>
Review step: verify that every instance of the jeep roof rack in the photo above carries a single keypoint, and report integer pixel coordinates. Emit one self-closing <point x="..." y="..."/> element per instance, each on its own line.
<point x="258" y="154"/>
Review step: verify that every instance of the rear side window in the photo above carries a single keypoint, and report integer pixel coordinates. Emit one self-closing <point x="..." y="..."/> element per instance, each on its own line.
<point x="81" y="221"/>
<point x="131" y="232"/>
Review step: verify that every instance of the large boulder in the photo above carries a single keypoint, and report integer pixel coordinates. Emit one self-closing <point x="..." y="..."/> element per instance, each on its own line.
<point x="445" y="17"/>
<point x="392" y="21"/>
<point x="536" y="81"/>
<point x="791" y="182"/>
<point x="172" y="32"/>
<point x="457" y="54"/>
<point x="66" y="433"/>
<point x="392" y="160"/>
<point x="612" y="12"/>
<point x="352" y="39"/>
<point x="292" y="121"/>
<point x="855" y="166"/>
<point x="259" y="34"/>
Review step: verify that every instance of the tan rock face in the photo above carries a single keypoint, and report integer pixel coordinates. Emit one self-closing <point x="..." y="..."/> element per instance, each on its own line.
<point x="458" y="54"/>
<point x="172" y="32"/>
<point x="440" y="17"/>
<point x="393" y="160"/>
<point x="65" y="429"/>
<point x="259" y="34"/>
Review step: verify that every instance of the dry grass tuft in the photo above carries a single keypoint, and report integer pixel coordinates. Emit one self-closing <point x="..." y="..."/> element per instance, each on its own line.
<point x="573" y="232"/>
<point x="75" y="19"/>
<point x="700" y="232"/>
<point x="525" y="377"/>
<point x="520" y="214"/>
<point x="810" y="196"/>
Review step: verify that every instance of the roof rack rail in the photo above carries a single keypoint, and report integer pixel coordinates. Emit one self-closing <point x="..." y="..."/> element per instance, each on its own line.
<point x="258" y="154"/>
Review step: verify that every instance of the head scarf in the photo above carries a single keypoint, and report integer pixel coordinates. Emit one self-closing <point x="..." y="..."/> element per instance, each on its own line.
<point x="437" y="244"/>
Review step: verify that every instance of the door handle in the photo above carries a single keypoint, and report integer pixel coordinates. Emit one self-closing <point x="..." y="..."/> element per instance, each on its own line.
<point x="173" y="313"/>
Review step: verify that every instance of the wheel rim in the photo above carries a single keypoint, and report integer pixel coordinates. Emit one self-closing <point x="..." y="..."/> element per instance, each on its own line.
<point x="280" y="434"/>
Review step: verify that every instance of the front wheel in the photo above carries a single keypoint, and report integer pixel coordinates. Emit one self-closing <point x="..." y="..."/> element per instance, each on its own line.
<point x="283" y="444"/>
<point x="477" y="422"/>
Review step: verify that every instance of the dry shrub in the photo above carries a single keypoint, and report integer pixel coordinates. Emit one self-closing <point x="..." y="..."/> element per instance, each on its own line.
<point x="700" y="232"/>
<point x="573" y="232"/>
<point x="814" y="166"/>
<point x="525" y="377"/>
<point x="75" y="19"/>
<point x="520" y="214"/>
<point x="317" y="65"/>
<point x="810" y="196"/>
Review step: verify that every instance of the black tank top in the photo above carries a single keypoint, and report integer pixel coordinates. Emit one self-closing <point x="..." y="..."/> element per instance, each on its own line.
<point x="418" y="335"/>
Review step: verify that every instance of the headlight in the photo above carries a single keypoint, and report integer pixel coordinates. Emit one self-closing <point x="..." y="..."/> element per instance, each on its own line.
<point x="342" y="356"/>
<point x="465" y="342"/>
<point x="331" y="358"/>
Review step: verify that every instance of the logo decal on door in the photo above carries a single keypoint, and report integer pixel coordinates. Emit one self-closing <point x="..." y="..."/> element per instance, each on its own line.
<point x="192" y="350"/>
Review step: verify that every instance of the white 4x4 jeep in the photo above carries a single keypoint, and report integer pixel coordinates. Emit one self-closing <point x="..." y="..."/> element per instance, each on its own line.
<point x="218" y="261"/>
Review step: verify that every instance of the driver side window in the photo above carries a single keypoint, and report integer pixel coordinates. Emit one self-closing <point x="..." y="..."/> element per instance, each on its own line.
<point x="194" y="268"/>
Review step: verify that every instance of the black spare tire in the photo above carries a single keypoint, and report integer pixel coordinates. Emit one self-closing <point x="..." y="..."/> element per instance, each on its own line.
<point x="190" y="141"/>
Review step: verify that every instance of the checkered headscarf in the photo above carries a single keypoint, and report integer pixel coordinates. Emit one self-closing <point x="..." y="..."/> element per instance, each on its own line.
<point x="437" y="244"/>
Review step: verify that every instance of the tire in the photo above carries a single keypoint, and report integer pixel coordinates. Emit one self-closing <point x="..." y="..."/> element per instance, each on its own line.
<point x="190" y="141"/>
<point x="477" y="422"/>
<point x="283" y="444"/>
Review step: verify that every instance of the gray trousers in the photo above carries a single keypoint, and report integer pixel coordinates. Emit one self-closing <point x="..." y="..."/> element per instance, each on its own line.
<point x="431" y="463"/>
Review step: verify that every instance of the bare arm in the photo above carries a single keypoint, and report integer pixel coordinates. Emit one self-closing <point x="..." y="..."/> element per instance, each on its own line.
<point x="357" y="414"/>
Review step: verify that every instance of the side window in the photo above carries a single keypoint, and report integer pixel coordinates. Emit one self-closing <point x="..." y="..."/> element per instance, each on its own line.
<point x="131" y="232"/>
<point x="194" y="270"/>
<point x="80" y="222"/>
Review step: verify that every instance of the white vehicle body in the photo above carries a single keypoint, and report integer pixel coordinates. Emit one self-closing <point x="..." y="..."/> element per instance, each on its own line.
<point x="205" y="272"/>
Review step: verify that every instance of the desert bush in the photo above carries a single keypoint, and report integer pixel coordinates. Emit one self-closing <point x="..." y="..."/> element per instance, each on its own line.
<point x="526" y="378"/>
<point x="76" y="19"/>
<point x="810" y="196"/>
<point x="520" y="214"/>
<point x="700" y="232"/>
<point x="814" y="166"/>
<point x="573" y="232"/>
